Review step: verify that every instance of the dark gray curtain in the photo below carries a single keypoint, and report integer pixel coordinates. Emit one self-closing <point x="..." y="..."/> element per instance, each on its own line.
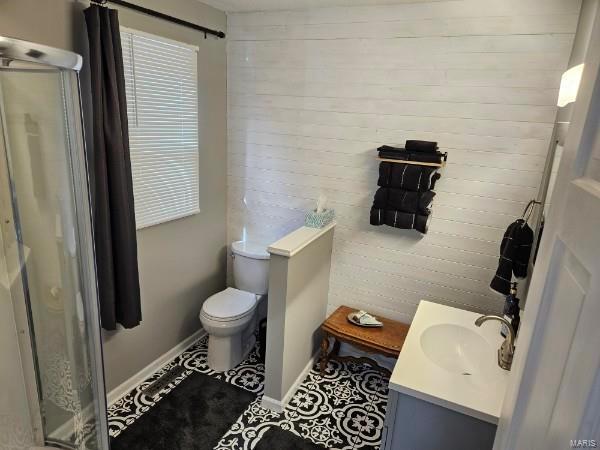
<point x="110" y="167"/>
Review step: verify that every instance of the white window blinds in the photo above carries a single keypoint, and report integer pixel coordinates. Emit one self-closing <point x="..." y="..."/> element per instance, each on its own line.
<point x="162" y="106"/>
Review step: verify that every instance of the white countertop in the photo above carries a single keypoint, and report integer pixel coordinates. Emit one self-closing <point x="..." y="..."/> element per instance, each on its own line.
<point x="292" y="243"/>
<point x="477" y="391"/>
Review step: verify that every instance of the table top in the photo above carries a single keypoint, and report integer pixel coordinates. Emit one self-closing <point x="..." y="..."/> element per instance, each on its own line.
<point x="387" y="339"/>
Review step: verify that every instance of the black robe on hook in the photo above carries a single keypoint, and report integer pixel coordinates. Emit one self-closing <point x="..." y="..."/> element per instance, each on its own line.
<point x="110" y="175"/>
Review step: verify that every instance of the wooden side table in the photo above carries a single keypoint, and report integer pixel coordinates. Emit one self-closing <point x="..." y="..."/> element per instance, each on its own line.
<point x="387" y="340"/>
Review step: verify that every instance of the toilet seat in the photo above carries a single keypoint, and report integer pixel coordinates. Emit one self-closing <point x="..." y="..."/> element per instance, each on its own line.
<point x="229" y="305"/>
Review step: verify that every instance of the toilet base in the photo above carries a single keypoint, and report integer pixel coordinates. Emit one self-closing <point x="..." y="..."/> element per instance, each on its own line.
<point x="229" y="342"/>
<point x="226" y="352"/>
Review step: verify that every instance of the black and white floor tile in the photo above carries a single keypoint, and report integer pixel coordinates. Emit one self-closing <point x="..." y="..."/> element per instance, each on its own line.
<point x="344" y="409"/>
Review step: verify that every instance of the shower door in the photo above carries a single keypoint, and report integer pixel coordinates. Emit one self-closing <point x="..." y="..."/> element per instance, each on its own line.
<point x="47" y="240"/>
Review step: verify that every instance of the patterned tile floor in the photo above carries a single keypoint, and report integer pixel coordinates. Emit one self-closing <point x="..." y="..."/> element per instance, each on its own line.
<point x="344" y="409"/>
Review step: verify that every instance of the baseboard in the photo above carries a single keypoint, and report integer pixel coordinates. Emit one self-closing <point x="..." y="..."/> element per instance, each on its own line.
<point x="272" y="404"/>
<point x="155" y="365"/>
<point x="279" y="405"/>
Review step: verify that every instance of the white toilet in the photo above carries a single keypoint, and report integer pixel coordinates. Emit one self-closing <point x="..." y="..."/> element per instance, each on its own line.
<point x="229" y="316"/>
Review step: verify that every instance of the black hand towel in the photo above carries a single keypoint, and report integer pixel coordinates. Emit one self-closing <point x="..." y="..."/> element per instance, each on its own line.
<point x="380" y="200"/>
<point x="411" y="177"/>
<point x="385" y="173"/>
<point x="399" y="219"/>
<point x="436" y="176"/>
<point x="409" y="201"/>
<point x="401" y="154"/>
<point x="422" y="222"/>
<point x="389" y="149"/>
<point x="514" y="255"/>
<point x="377" y="216"/>
<point x="407" y="176"/>
<point x="401" y="200"/>
<point x="421" y="146"/>
<point x="424" y="201"/>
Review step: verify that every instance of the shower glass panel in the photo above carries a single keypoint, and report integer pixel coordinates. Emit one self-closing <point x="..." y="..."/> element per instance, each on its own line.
<point x="46" y="228"/>
<point x="16" y="430"/>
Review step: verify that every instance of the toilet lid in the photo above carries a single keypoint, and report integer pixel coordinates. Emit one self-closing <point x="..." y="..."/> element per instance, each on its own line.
<point x="229" y="304"/>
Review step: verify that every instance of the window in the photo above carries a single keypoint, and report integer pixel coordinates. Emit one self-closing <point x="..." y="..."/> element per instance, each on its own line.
<point x="162" y="106"/>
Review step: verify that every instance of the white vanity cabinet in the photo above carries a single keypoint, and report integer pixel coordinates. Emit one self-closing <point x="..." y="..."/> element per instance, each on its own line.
<point x="446" y="390"/>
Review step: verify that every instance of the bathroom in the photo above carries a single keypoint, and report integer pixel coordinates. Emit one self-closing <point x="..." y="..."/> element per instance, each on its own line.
<point x="199" y="309"/>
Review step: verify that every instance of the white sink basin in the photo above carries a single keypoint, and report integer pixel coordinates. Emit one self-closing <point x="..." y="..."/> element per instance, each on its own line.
<point x="448" y="361"/>
<point x="457" y="349"/>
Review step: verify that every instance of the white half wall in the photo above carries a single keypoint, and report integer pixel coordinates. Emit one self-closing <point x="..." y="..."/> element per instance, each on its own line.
<point x="299" y="273"/>
<point x="312" y="94"/>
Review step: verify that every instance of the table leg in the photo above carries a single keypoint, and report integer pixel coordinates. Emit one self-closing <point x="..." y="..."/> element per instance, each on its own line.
<point x="324" y="349"/>
<point x="336" y="348"/>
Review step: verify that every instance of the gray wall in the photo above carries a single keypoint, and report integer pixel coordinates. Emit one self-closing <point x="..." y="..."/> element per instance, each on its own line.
<point x="181" y="262"/>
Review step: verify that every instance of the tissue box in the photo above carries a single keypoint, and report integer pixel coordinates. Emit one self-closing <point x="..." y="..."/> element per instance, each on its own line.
<point x="314" y="219"/>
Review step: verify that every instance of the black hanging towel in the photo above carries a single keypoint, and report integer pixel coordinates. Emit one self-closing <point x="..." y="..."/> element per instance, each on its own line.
<point x="514" y="255"/>
<point x="110" y="175"/>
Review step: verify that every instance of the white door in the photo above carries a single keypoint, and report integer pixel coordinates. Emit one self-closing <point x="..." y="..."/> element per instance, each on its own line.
<point x="554" y="390"/>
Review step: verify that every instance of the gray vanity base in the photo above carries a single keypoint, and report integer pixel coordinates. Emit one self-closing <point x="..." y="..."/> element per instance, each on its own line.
<point x="413" y="424"/>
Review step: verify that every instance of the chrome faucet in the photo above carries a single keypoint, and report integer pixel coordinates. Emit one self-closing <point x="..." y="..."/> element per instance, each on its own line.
<point x="507" y="350"/>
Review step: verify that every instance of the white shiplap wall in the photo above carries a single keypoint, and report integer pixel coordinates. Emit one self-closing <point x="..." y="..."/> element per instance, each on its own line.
<point x="313" y="93"/>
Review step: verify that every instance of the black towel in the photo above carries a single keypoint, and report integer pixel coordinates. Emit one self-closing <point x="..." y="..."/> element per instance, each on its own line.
<point x="399" y="219"/>
<point x="402" y="200"/>
<point x="436" y="176"/>
<point x="411" y="177"/>
<point x="401" y="154"/>
<point x="389" y="149"/>
<point x="377" y="216"/>
<point x="385" y="173"/>
<point x="421" y="146"/>
<point x="422" y="223"/>
<point x="514" y="255"/>
<point x="407" y="176"/>
<point x="380" y="198"/>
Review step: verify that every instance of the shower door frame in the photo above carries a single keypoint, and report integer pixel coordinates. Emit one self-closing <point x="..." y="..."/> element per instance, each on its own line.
<point x="69" y="65"/>
<point x="18" y="292"/>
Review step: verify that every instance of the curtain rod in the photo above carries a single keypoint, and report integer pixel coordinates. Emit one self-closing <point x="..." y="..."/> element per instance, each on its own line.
<point x="160" y="15"/>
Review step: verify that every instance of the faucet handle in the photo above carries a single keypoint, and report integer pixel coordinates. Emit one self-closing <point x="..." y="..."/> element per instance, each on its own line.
<point x="505" y="354"/>
<point x="507" y="350"/>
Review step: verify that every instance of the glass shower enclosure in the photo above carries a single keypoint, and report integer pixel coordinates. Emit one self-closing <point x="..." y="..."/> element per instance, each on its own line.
<point x="47" y="272"/>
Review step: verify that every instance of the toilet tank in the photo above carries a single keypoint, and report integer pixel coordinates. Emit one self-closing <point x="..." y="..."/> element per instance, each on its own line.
<point x="250" y="266"/>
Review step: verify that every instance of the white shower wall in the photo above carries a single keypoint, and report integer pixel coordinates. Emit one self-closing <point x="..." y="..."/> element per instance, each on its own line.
<point x="312" y="94"/>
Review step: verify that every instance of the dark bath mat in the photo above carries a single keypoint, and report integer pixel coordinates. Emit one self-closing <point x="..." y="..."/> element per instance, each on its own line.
<point x="193" y="416"/>
<point x="277" y="438"/>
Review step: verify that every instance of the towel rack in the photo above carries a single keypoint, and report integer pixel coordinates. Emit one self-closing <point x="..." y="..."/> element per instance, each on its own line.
<point x="417" y="163"/>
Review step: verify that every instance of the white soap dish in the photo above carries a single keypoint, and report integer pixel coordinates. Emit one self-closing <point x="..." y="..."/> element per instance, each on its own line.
<point x="364" y="319"/>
